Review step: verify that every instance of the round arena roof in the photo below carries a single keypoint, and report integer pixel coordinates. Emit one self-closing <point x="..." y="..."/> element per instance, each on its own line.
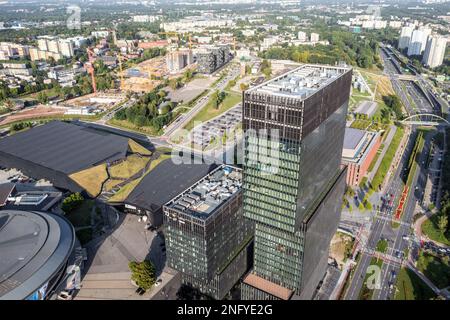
<point x="34" y="246"/>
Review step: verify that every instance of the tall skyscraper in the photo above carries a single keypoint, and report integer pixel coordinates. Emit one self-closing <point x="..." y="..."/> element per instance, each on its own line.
<point x="434" y="51"/>
<point x="405" y="37"/>
<point x="292" y="182"/>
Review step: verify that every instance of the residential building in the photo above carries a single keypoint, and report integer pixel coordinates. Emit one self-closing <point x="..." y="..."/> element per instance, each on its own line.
<point x="293" y="182"/>
<point x="211" y="58"/>
<point x="269" y="42"/>
<point x="418" y="41"/>
<point x="178" y="60"/>
<point x="16" y="69"/>
<point x="302" y="36"/>
<point x="395" y="24"/>
<point x="405" y="38"/>
<point x="360" y="149"/>
<point x="145" y="18"/>
<point x="207" y="238"/>
<point x="314" y="37"/>
<point x="434" y="51"/>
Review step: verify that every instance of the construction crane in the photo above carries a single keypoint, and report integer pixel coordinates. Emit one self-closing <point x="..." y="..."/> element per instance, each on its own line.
<point x="119" y="56"/>
<point x="172" y="33"/>
<point x="90" y="68"/>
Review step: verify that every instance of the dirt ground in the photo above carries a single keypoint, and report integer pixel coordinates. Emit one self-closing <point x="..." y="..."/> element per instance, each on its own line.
<point x="338" y="246"/>
<point x="31" y="113"/>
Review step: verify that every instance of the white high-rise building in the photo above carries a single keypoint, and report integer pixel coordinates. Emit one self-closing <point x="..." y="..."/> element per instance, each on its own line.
<point x="434" y="51"/>
<point x="405" y="37"/>
<point x="66" y="48"/>
<point x="302" y="36"/>
<point x="314" y="37"/>
<point x="418" y="42"/>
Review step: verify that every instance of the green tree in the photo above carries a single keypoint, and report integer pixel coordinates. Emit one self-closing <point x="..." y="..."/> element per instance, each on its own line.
<point x="72" y="202"/>
<point x="42" y="97"/>
<point x="442" y="223"/>
<point x="143" y="273"/>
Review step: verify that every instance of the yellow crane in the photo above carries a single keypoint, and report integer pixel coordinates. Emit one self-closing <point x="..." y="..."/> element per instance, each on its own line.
<point x="122" y="83"/>
<point x="172" y="33"/>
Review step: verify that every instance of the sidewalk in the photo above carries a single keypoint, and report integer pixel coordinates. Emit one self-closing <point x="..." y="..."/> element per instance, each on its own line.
<point x="386" y="143"/>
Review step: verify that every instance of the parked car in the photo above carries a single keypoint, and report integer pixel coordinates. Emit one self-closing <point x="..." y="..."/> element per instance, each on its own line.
<point x="65" y="295"/>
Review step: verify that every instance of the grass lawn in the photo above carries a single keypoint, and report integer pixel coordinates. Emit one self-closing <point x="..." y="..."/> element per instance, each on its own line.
<point x="375" y="159"/>
<point x="125" y="191"/>
<point x="91" y="179"/>
<point x="435" y="269"/>
<point x="366" y="293"/>
<point x="137" y="148"/>
<point x="411" y="287"/>
<point x="360" y="124"/>
<point x="208" y="112"/>
<point x="129" y="167"/>
<point x="382" y="246"/>
<point x="81" y="217"/>
<point x="388" y="157"/>
<point x="111" y="183"/>
<point x="128" y="125"/>
<point x="431" y="230"/>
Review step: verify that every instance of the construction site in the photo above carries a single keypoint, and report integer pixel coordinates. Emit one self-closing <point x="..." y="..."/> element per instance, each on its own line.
<point x="93" y="103"/>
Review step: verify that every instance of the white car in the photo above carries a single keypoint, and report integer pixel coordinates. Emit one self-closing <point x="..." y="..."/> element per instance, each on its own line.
<point x="158" y="282"/>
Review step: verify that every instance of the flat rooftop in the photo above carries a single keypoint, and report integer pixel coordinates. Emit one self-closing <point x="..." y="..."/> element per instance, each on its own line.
<point x="65" y="147"/>
<point x="353" y="137"/>
<point x="205" y="196"/>
<point x="164" y="182"/>
<point x="268" y="286"/>
<point x="358" y="144"/>
<point x="301" y="82"/>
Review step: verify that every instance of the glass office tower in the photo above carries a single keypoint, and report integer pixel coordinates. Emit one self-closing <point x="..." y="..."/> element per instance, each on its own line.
<point x="292" y="178"/>
<point x="207" y="238"/>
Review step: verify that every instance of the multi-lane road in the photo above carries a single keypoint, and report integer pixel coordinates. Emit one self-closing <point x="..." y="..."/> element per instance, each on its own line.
<point x="399" y="238"/>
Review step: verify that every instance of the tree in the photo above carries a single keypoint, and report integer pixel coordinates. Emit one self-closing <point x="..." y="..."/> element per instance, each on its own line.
<point x="143" y="273"/>
<point x="442" y="223"/>
<point x="243" y="86"/>
<point x="361" y="206"/>
<point x="42" y="97"/>
<point x="72" y="202"/>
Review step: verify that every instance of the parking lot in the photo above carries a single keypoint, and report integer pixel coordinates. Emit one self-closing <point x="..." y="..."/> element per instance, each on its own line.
<point x="204" y="134"/>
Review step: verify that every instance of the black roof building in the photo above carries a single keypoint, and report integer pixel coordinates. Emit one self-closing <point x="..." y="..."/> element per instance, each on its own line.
<point x="35" y="247"/>
<point x="163" y="183"/>
<point x="57" y="149"/>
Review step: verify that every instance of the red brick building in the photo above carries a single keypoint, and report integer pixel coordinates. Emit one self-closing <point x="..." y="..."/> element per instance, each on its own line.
<point x="360" y="148"/>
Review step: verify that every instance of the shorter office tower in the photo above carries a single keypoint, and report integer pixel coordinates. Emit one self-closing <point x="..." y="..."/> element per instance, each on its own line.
<point x="211" y="58"/>
<point x="207" y="238"/>
<point x="360" y="149"/>
<point x="434" y="51"/>
<point x="179" y="59"/>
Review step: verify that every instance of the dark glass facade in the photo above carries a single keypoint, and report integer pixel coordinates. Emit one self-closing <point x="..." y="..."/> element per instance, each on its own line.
<point x="211" y="252"/>
<point x="292" y="181"/>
